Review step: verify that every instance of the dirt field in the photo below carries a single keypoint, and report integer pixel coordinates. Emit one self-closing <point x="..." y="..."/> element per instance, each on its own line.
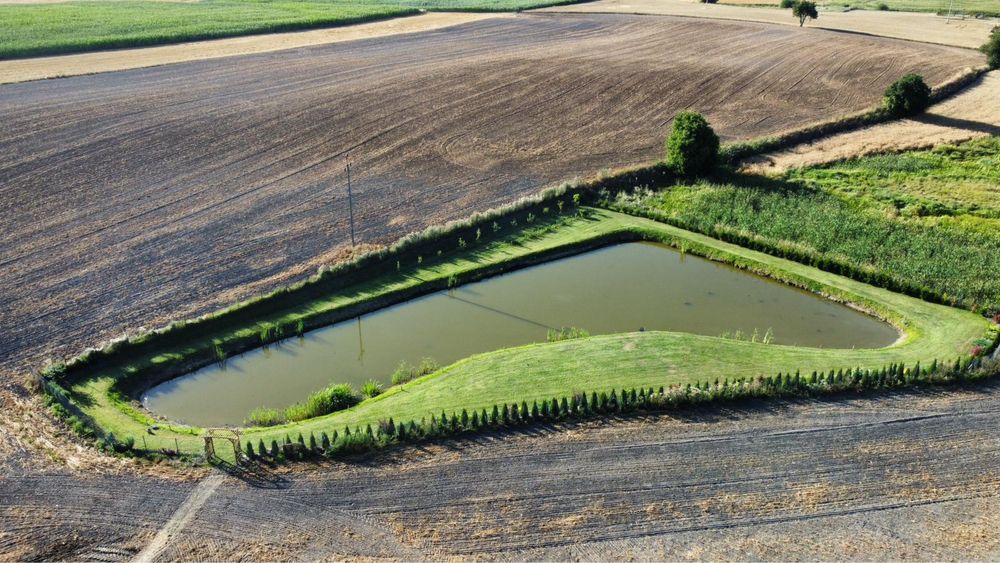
<point x="20" y="70"/>
<point x="969" y="33"/>
<point x="809" y="480"/>
<point x="132" y="198"/>
<point x="972" y="114"/>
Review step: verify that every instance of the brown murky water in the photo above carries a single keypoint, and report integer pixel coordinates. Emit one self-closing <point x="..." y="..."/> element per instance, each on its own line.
<point x="622" y="288"/>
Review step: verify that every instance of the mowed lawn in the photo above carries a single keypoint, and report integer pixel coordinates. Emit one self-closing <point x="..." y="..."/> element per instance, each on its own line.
<point x="598" y="363"/>
<point x="44" y="29"/>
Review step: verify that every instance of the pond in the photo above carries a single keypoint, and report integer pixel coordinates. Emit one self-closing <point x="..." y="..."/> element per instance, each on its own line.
<point x="621" y="288"/>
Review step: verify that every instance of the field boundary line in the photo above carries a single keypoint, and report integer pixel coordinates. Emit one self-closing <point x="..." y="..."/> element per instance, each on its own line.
<point x="184" y="513"/>
<point x="98" y="62"/>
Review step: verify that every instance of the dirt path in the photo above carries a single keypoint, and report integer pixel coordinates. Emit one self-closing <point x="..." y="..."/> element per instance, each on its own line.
<point x="21" y="70"/>
<point x="972" y="114"/>
<point x="969" y="33"/>
<point x="176" y="524"/>
<point x="899" y="476"/>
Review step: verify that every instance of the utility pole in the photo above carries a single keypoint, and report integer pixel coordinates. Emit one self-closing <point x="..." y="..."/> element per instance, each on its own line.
<point x="350" y="199"/>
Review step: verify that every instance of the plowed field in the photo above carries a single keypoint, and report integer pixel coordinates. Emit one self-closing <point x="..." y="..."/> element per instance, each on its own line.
<point x="904" y="476"/>
<point x="131" y="198"/>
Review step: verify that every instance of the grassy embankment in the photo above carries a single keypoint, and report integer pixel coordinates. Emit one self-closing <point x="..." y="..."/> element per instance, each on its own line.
<point x="556" y="369"/>
<point x="929" y="217"/>
<point x="44" y="29"/>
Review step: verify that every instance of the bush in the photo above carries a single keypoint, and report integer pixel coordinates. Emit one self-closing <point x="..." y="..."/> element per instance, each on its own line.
<point x="407" y="372"/>
<point x="804" y="9"/>
<point x="786" y="4"/>
<point x="263" y="416"/>
<point x="333" y="398"/>
<point x="371" y="388"/>
<point x="992" y="49"/>
<point x="565" y="333"/>
<point x="325" y="401"/>
<point x="692" y="147"/>
<point x="907" y="96"/>
<point x="883" y="7"/>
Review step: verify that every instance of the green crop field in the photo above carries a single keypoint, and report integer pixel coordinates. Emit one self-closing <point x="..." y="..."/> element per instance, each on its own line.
<point x="548" y="370"/>
<point x="929" y="218"/>
<point x="44" y="29"/>
<point x="949" y="181"/>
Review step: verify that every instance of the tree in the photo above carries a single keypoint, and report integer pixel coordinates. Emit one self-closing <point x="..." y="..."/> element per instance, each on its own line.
<point x="992" y="49"/>
<point x="804" y="9"/>
<point x="692" y="147"/>
<point x="907" y="96"/>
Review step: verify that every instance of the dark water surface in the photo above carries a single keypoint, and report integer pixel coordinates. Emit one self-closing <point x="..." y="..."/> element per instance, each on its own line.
<point x="617" y="289"/>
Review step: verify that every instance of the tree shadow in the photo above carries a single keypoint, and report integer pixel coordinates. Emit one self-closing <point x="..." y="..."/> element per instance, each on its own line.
<point x="254" y="473"/>
<point x="956" y="123"/>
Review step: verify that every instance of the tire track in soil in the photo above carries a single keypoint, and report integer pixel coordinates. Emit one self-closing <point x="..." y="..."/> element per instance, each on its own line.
<point x="895" y="475"/>
<point x="185" y="513"/>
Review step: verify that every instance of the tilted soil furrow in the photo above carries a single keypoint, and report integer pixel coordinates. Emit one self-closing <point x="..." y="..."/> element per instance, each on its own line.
<point x="830" y="478"/>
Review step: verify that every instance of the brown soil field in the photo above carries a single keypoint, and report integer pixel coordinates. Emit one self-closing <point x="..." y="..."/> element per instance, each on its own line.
<point x="132" y="198"/>
<point x="137" y="197"/>
<point x="929" y="28"/>
<point x="973" y="113"/>
<point x="21" y="70"/>
<point x="909" y="476"/>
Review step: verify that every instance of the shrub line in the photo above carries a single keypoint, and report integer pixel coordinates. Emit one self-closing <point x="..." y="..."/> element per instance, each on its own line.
<point x="604" y="404"/>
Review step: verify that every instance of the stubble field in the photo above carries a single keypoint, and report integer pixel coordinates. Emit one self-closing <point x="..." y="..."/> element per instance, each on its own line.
<point x="841" y="478"/>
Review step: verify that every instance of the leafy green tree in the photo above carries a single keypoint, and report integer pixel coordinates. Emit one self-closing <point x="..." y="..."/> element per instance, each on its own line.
<point x="804" y="9"/>
<point x="992" y="49"/>
<point x="909" y="95"/>
<point x="692" y="147"/>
